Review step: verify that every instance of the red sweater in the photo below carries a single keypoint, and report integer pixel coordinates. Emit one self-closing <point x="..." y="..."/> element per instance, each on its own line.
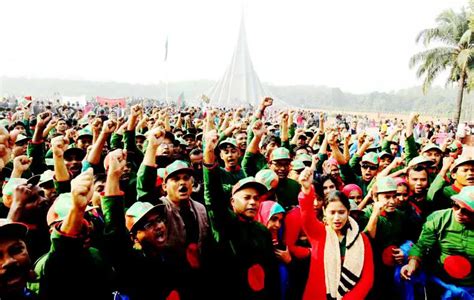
<point x="316" y="232"/>
<point x="293" y="231"/>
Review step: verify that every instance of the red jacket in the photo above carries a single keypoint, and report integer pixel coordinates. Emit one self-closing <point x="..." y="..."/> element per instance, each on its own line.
<point x="316" y="232"/>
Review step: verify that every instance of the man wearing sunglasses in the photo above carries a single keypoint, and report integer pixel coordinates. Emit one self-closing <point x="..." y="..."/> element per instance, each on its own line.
<point x="448" y="240"/>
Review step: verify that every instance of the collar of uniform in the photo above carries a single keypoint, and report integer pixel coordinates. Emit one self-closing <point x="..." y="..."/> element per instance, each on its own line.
<point x="236" y="169"/>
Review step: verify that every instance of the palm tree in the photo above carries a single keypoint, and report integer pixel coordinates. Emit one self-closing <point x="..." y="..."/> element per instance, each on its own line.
<point x="453" y="51"/>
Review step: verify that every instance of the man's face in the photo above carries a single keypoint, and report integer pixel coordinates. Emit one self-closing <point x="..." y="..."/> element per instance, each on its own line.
<point x="84" y="142"/>
<point x="241" y="139"/>
<point x="196" y="161"/>
<point x="385" y="161"/>
<point x="15" y="266"/>
<point x="21" y="129"/>
<point x="394" y="149"/>
<point x="190" y="141"/>
<point x="166" y="148"/>
<point x="73" y="164"/>
<point x="179" y="187"/>
<point x="391" y="201"/>
<point x="230" y="155"/>
<point x="20" y="148"/>
<point x="462" y="215"/>
<point x="153" y="234"/>
<point x="418" y="181"/>
<point x="433" y="155"/>
<point x="301" y="151"/>
<point x="464" y="175"/>
<point x="301" y="141"/>
<point x="246" y="202"/>
<point x="368" y="171"/>
<point x="61" y="126"/>
<point x="281" y="167"/>
<point x="139" y="142"/>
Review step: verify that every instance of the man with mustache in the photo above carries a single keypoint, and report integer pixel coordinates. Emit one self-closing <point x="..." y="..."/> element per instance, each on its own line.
<point x="187" y="219"/>
<point x="244" y="265"/>
<point x="462" y="172"/>
<point x="15" y="263"/>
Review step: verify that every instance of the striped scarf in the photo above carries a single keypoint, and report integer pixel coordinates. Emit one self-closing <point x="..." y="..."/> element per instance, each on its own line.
<point x="341" y="278"/>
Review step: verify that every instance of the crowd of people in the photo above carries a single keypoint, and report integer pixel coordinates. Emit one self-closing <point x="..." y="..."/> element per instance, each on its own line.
<point x="160" y="202"/>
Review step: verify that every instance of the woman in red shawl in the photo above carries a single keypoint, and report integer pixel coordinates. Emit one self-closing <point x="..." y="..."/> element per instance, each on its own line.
<point x="341" y="261"/>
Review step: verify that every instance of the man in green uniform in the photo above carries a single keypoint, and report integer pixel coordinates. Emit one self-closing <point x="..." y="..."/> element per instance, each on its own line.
<point x="231" y="173"/>
<point x="447" y="240"/>
<point x="462" y="171"/>
<point x="245" y="267"/>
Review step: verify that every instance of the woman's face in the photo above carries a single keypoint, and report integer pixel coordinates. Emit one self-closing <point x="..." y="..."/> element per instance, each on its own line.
<point x="318" y="204"/>
<point x="336" y="215"/>
<point x="356" y="196"/>
<point x="402" y="194"/>
<point x="275" y="222"/>
<point x="328" y="186"/>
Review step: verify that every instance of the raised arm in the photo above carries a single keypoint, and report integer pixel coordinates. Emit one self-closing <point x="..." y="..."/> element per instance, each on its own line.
<point x="95" y="154"/>
<point x="81" y="192"/>
<point x="371" y="227"/>
<point x="147" y="173"/>
<point x="216" y="203"/>
<point x="59" y="145"/>
<point x="311" y="226"/>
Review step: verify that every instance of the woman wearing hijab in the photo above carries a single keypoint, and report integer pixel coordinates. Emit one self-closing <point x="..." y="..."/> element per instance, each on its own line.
<point x="271" y="215"/>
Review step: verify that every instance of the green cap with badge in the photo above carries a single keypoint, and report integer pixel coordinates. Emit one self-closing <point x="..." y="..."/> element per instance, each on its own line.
<point x="386" y="185"/>
<point x="465" y="198"/>
<point x="177" y="166"/>
<point x="249" y="182"/>
<point x="267" y="177"/>
<point x="228" y="142"/>
<point x="371" y="158"/>
<point x="280" y="153"/>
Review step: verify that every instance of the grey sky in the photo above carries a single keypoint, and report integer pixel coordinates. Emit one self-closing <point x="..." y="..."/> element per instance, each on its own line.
<point x="359" y="46"/>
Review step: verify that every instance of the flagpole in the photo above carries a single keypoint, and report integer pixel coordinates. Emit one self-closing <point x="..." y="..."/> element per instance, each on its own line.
<point x="166" y="71"/>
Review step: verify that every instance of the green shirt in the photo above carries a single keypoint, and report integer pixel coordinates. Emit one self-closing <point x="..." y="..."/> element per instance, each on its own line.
<point x="441" y="237"/>
<point x="238" y="248"/>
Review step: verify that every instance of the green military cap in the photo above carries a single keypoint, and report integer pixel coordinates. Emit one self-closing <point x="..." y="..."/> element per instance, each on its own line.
<point x="228" y="142"/>
<point x="297" y="165"/>
<point x="177" y="166"/>
<point x="304" y="157"/>
<point x="420" y="160"/>
<point x="280" y="153"/>
<point x="371" y="158"/>
<point x="461" y="161"/>
<point x="431" y="146"/>
<point x="61" y="207"/>
<point x="139" y="210"/>
<point x="249" y="182"/>
<point x="22" y="138"/>
<point x="267" y="177"/>
<point x="386" y="185"/>
<point x="11" y="185"/>
<point x="465" y="198"/>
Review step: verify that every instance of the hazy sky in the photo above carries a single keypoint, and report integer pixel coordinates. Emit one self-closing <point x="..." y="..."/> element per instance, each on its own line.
<point x="359" y="46"/>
